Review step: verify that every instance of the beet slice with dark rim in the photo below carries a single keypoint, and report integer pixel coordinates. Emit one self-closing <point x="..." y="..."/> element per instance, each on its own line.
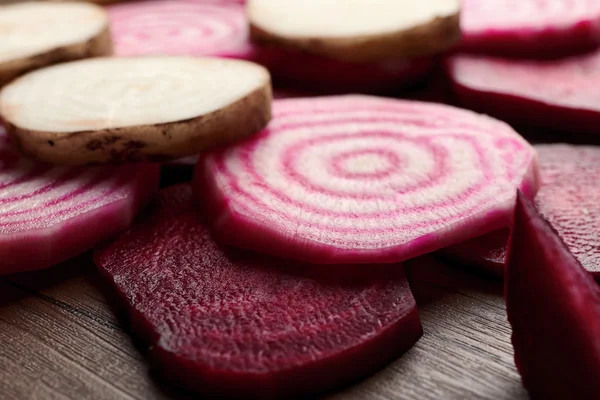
<point x="231" y="323"/>
<point x="569" y="198"/>
<point x="553" y="306"/>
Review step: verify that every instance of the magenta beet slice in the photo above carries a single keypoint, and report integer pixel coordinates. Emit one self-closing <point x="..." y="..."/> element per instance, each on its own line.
<point x="182" y="27"/>
<point x="569" y="198"/>
<point x="233" y="323"/>
<point x="49" y="214"/>
<point x="517" y="91"/>
<point x="553" y="306"/>
<point x="530" y="28"/>
<point x="361" y="179"/>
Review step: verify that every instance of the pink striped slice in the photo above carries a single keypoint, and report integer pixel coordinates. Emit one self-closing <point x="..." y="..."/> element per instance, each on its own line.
<point x="181" y="27"/>
<point x="49" y="214"/>
<point x="356" y="179"/>
<point x="530" y="28"/>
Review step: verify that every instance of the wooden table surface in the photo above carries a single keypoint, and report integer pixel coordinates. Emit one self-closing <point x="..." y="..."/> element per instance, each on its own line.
<point x="60" y="340"/>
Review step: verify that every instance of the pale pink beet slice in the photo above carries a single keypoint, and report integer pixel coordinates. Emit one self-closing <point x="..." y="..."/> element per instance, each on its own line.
<point x="49" y="214"/>
<point x="183" y="27"/>
<point x="560" y="94"/>
<point x="362" y="179"/>
<point x="530" y="28"/>
<point x="553" y="306"/>
<point x="569" y="198"/>
<point x="235" y="324"/>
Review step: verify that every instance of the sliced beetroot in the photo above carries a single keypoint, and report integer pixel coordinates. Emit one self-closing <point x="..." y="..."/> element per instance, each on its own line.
<point x="553" y="306"/>
<point x="530" y="28"/>
<point x="182" y="27"/>
<point x="231" y="323"/>
<point x="49" y="214"/>
<point x="559" y="94"/>
<point x="360" y="179"/>
<point x="569" y="198"/>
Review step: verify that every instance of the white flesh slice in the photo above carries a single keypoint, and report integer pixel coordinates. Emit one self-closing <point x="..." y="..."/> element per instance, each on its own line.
<point x="36" y="34"/>
<point x="133" y="109"/>
<point x="358" y="30"/>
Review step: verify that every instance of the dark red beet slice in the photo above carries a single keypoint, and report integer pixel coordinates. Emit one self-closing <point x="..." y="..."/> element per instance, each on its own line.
<point x="569" y="198"/>
<point x="530" y="28"/>
<point x="559" y="94"/>
<point x="553" y="306"/>
<point x="240" y="324"/>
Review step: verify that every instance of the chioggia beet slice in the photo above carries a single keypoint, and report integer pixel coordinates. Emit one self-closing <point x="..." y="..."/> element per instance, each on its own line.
<point x="517" y="91"/>
<point x="236" y="324"/>
<point x="37" y="34"/>
<point x="355" y="179"/>
<point x="183" y="27"/>
<point x="553" y="306"/>
<point x="569" y="198"/>
<point x="49" y="214"/>
<point x="530" y="28"/>
<point x="130" y="109"/>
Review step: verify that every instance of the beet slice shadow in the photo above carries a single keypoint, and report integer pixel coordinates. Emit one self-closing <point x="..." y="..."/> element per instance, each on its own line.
<point x="569" y="198"/>
<point x="235" y="324"/>
<point x="553" y="306"/>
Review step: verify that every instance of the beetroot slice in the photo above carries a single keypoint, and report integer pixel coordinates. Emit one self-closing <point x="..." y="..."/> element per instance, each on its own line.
<point x="569" y="198"/>
<point x="518" y="91"/>
<point x="530" y="28"/>
<point x="553" y="306"/>
<point x="49" y="214"/>
<point x="360" y="179"/>
<point x="239" y="324"/>
<point x="183" y="27"/>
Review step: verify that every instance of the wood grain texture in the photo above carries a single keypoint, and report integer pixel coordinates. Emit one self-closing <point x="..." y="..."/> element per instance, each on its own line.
<point x="59" y="339"/>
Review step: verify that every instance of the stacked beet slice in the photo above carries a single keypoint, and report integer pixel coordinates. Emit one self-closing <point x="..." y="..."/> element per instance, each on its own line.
<point x="276" y="270"/>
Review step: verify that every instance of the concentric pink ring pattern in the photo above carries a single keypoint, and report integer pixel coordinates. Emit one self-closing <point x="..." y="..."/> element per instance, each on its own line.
<point x="363" y="179"/>
<point x="40" y="204"/>
<point x="181" y="27"/>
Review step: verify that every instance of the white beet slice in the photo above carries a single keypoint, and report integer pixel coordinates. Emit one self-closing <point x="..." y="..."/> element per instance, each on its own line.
<point x="37" y="34"/>
<point x="359" y="31"/>
<point x="112" y="110"/>
<point x="361" y="179"/>
<point x="49" y="214"/>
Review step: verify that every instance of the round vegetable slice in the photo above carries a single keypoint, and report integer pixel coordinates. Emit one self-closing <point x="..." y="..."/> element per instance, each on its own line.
<point x="518" y="91"/>
<point x="569" y="198"/>
<point x="364" y="179"/>
<point x="182" y="27"/>
<point x="366" y="31"/>
<point x="530" y="28"/>
<point x="231" y="323"/>
<point x="111" y="110"/>
<point x="49" y="214"/>
<point x="37" y="34"/>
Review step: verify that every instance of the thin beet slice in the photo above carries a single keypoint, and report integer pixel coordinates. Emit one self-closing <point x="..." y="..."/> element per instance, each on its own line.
<point x="354" y="179"/>
<point x="37" y="34"/>
<point x="49" y="214"/>
<point x="518" y="91"/>
<point x="530" y="28"/>
<point x="231" y="323"/>
<point x="569" y="198"/>
<point x="183" y="27"/>
<point x="553" y="306"/>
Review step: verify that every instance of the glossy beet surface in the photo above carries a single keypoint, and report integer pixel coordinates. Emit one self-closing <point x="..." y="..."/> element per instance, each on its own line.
<point x="553" y="306"/>
<point x="239" y="324"/>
